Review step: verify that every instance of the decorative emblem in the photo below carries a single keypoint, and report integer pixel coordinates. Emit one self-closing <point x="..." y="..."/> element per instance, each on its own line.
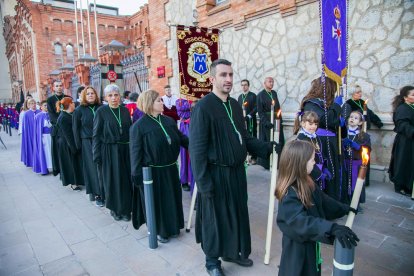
<point x="111" y="76"/>
<point x="181" y="34"/>
<point x="336" y="32"/>
<point x="199" y="61"/>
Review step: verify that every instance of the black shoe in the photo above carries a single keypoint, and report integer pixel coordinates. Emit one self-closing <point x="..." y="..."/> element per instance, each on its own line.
<point x="115" y="216"/>
<point x="240" y="261"/>
<point x="76" y="188"/>
<point x="126" y="217"/>
<point x="216" y="271"/>
<point x="162" y="239"/>
<point x="99" y="201"/>
<point x="185" y="187"/>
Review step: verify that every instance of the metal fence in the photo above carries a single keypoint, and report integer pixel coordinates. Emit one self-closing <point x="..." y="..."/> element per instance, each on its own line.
<point x="135" y="73"/>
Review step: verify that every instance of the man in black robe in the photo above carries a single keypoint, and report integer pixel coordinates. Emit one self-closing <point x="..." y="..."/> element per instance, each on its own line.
<point x="53" y="115"/>
<point x="218" y="148"/>
<point x="247" y="101"/>
<point x="264" y="106"/>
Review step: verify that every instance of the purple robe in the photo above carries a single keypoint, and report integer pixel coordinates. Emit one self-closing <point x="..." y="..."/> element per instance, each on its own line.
<point x="183" y="111"/>
<point x="28" y="133"/>
<point x="39" y="154"/>
<point x="137" y="115"/>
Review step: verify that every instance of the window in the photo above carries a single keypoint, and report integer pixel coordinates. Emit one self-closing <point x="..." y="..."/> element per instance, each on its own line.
<point x="80" y="49"/>
<point x="58" y="55"/>
<point x="220" y="1"/>
<point x="69" y="54"/>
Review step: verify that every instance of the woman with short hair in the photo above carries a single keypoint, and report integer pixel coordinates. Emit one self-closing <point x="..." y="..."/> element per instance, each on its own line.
<point x="110" y="145"/>
<point x="155" y="143"/>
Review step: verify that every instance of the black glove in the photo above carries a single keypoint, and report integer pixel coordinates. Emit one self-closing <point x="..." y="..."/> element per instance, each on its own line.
<point x="353" y="210"/>
<point x="268" y="125"/>
<point x="345" y="236"/>
<point x="277" y="147"/>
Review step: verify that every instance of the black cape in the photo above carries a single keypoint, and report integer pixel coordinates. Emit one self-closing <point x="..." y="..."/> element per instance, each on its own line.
<point x="150" y="148"/>
<point x="402" y="158"/>
<point x="302" y="228"/>
<point x="264" y="106"/>
<point x="110" y="146"/>
<point x="70" y="162"/>
<point x="336" y="188"/>
<point x="53" y="115"/>
<point x="82" y="131"/>
<point x="351" y="105"/>
<point x="250" y="104"/>
<point x="217" y="158"/>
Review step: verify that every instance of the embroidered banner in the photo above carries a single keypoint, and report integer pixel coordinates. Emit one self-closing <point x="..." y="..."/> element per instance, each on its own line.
<point x="197" y="49"/>
<point x="334" y="37"/>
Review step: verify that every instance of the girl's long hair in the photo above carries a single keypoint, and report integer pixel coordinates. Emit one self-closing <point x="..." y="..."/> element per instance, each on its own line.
<point x="292" y="171"/>
<point x="316" y="91"/>
<point x="307" y="116"/>
<point x="399" y="99"/>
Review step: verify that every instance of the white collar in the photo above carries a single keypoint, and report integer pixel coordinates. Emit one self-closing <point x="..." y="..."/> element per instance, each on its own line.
<point x="307" y="134"/>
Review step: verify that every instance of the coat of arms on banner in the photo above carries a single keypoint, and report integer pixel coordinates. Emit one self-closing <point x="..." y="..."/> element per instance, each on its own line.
<point x="199" y="61"/>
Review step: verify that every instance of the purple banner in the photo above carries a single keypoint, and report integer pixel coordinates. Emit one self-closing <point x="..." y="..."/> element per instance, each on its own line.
<point x="334" y="35"/>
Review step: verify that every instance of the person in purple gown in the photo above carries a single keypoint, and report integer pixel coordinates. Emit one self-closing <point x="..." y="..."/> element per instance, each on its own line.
<point x="186" y="176"/>
<point x="28" y="132"/>
<point x="42" y="154"/>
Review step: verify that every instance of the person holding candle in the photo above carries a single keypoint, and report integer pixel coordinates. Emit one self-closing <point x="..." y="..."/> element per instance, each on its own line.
<point x="155" y="143"/>
<point x="352" y="144"/>
<point x="402" y="157"/>
<point x="267" y="107"/>
<point x="70" y="162"/>
<point x="355" y="103"/>
<point x="329" y="121"/>
<point x="83" y="117"/>
<point x="42" y="154"/>
<point x="248" y="102"/>
<point x="28" y="132"/>
<point x="305" y="212"/>
<point x="110" y="147"/>
<point x="306" y="131"/>
<point x="218" y="148"/>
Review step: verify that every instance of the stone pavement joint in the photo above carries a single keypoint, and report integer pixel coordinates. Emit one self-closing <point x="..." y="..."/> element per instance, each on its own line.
<point x="47" y="229"/>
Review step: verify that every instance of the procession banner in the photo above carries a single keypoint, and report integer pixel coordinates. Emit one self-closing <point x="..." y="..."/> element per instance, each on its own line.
<point x="334" y="38"/>
<point x="197" y="49"/>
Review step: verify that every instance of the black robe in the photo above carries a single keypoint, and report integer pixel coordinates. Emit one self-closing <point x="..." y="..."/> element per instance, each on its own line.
<point x="336" y="187"/>
<point x="302" y="228"/>
<point x="82" y="131"/>
<point x="217" y="158"/>
<point x="351" y="105"/>
<point x="110" y="148"/>
<point x="402" y="158"/>
<point x="264" y="106"/>
<point x="320" y="162"/>
<point x="250" y="104"/>
<point x="70" y="162"/>
<point x="149" y="148"/>
<point x="53" y="115"/>
<point x="352" y="159"/>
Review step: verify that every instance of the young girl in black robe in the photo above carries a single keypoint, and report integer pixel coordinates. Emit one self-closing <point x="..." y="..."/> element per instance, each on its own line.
<point x="352" y="146"/>
<point x="402" y="158"/>
<point x="304" y="211"/>
<point x="307" y="132"/>
<point x="155" y="143"/>
<point x="70" y="162"/>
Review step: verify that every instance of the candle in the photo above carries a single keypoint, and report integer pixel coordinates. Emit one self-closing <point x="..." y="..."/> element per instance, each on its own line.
<point x="365" y="112"/>
<point x="272" y="118"/>
<point x="358" y="186"/>
<point x="274" y="161"/>
<point x="244" y="109"/>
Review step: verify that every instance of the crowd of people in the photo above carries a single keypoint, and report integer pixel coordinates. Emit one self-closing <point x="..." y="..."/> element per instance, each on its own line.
<point x="103" y="146"/>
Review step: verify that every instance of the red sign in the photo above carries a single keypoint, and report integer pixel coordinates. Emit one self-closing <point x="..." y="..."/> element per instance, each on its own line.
<point x="161" y="71"/>
<point x="111" y="76"/>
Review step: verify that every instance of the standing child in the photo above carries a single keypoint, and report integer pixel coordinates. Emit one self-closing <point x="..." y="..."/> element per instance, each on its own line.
<point x="304" y="212"/>
<point x="42" y="153"/>
<point x="352" y="145"/>
<point x="309" y="121"/>
<point x="28" y="132"/>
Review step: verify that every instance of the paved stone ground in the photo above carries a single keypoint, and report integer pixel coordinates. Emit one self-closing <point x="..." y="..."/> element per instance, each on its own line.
<point x="47" y="229"/>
